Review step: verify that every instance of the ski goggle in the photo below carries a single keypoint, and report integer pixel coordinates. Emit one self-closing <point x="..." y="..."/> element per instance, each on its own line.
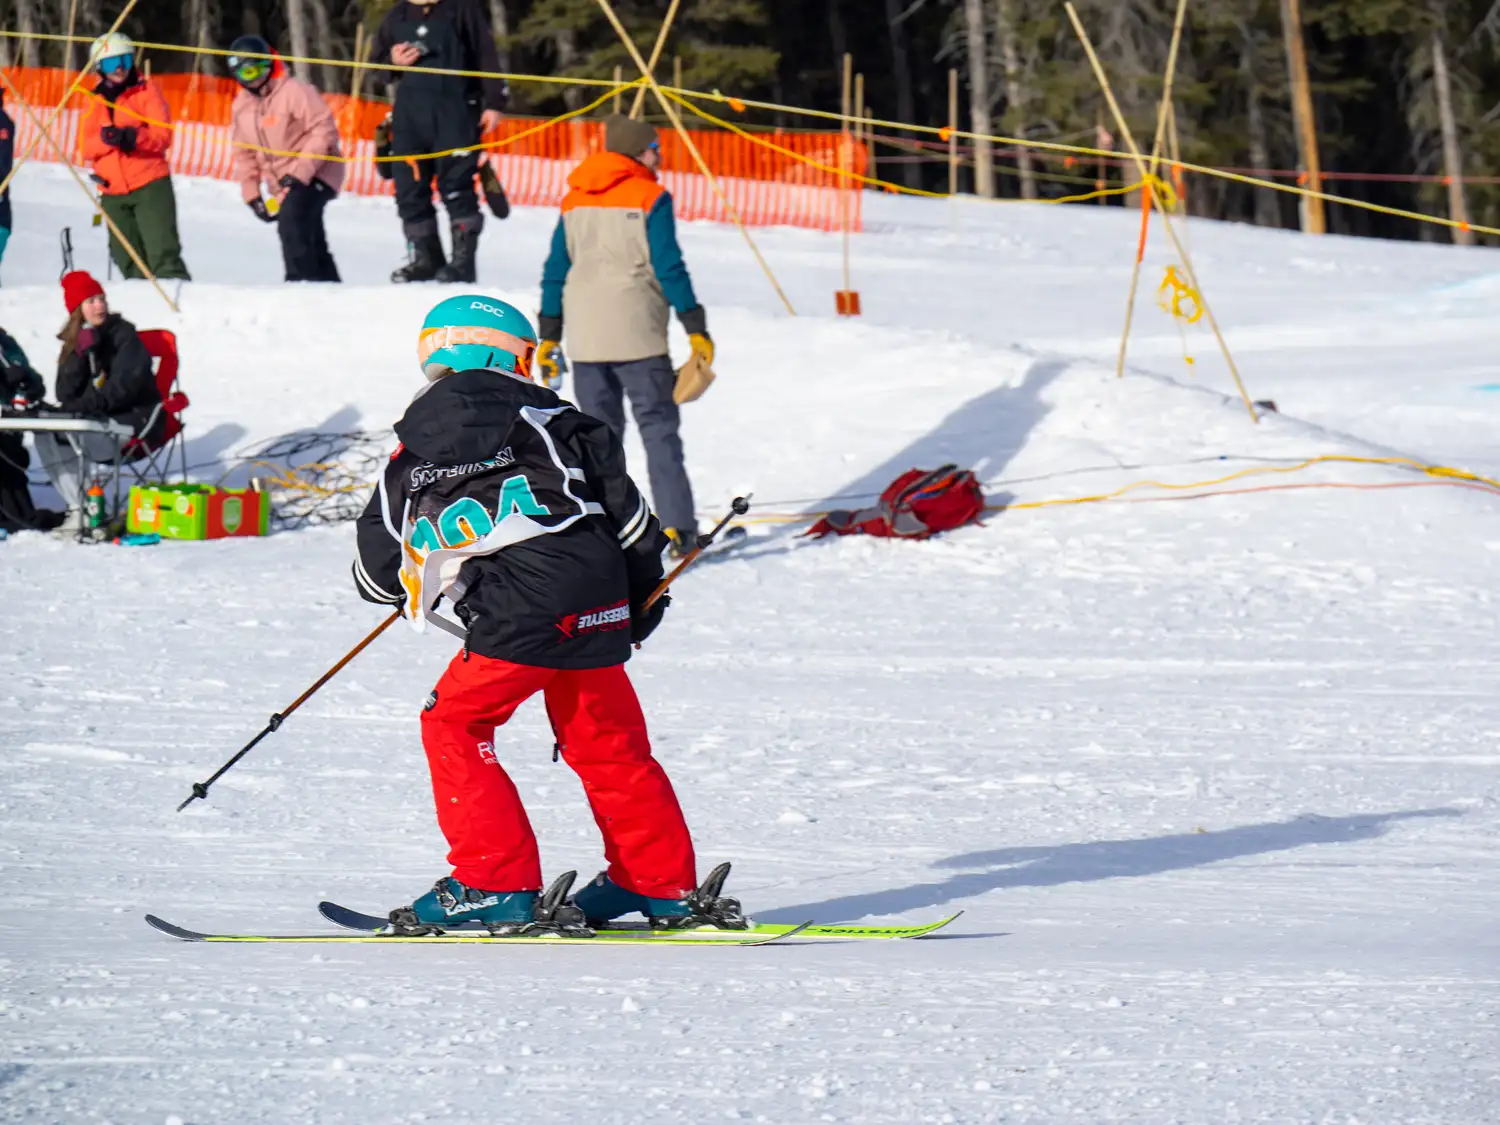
<point x="115" y="64"/>
<point x="447" y="336"/>
<point x="247" y="71"/>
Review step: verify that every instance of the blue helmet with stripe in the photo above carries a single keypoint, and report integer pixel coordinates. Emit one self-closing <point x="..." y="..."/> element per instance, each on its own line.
<point x="476" y="333"/>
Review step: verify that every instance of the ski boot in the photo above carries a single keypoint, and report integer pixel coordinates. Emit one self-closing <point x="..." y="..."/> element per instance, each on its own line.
<point x="461" y="265"/>
<point x="426" y="253"/>
<point x="452" y="905"/>
<point x="604" y="900"/>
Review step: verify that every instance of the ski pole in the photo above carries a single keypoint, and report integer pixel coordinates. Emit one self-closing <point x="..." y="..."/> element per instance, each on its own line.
<point x="200" y="788"/>
<point x="739" y="507"/>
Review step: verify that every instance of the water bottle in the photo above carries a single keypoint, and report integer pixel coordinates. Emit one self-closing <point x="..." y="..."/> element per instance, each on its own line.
<point x="94" y="512"/>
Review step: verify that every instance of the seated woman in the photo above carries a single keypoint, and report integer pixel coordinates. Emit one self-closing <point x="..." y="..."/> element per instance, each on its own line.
<point x="104" y="371"/>
<point x="21" y="389"/>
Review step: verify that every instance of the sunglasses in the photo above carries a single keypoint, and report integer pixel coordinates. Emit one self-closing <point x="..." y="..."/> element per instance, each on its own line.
<point x="116" y="63"/>
<point x="249" y="70"/>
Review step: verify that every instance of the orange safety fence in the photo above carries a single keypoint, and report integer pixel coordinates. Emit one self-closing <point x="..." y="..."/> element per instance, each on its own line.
<point x="766" y="187"/>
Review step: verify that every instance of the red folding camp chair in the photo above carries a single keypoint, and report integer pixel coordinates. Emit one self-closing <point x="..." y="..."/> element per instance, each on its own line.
<point x="148" y="461"/>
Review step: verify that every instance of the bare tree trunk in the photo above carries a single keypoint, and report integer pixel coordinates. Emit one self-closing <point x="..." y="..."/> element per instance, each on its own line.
<point x="26" y="25"/>
<point x="1313" y="221"/>
<point x="979" y="98"/>
<point x="204" y="18"/>
<point x="911" y="175"/>
<point x="567" y="55"/>
<point x="296" y="26"/>
<point x="1267" y="214"/>
<point x="1010" y="55"/>
<point x="323" y="43"/>
<point x="500" y="23"/>
<point x="1453" y="163"/>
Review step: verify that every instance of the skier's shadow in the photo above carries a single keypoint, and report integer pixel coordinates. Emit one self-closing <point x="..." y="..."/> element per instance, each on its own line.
<point x="1050" y="866"/>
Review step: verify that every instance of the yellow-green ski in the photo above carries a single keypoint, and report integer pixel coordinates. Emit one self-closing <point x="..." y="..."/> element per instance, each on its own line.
<point x="460" y="937"/>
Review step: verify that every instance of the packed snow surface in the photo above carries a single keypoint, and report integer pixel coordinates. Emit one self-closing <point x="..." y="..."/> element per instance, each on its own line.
<point x="1213" y="780"/>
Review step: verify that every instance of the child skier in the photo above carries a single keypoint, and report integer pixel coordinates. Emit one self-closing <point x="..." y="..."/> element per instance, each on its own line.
<point x="517" y="509"/>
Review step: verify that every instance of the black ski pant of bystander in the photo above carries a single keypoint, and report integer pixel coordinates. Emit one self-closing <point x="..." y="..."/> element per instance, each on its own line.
<point x="304" y="243"/>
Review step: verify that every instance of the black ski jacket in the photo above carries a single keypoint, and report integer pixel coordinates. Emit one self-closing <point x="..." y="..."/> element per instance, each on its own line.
<point x="110" y="375"/>
<point x="490" y="463"/>
<point x="455" y="35"/>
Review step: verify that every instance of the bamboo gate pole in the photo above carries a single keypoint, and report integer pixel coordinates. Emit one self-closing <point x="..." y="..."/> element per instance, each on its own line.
<point x="619" y="77"/>
<point x="952" y="131"/>
<point x="61" y="105"/>
<point x="72" y="26"/>
<point x="692" y="148"/>
<point x="661" y="41"/>
<point x="1148" y="176"/>
<point x="125" y="242"/>
<point x="1155" y="197"/>
<point x="845" y="161"/>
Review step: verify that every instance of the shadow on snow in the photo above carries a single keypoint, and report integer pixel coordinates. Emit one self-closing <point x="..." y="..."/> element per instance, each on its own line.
<point x="1052" y="865"/>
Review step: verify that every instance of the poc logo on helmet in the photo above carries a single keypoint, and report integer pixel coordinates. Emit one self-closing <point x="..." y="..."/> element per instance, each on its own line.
<point x="485" y="307"/>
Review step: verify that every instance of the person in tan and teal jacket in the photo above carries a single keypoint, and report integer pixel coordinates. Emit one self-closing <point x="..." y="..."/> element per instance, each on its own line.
<point x="614" y="273"/>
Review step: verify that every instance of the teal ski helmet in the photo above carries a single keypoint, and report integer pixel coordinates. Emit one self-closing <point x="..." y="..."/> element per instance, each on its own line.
<point x="475" y="332"/>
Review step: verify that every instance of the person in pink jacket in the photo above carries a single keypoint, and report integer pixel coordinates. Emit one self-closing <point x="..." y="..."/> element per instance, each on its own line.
<point x="283" y="135"/>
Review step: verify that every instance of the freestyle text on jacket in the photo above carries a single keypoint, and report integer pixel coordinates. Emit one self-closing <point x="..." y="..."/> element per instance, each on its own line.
<point x="615" y="267"/>
<point x="562" y="598"/>
<point x="109" y="373"/>
<point x="286" y="115"/>
<point x="136" y="106"/>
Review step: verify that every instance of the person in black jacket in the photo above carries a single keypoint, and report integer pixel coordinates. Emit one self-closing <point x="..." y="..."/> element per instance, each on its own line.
<point x="104" y="371"/>
<point x="440" y="113"/>
<point x="515" y="509"/>
<point x="7" y="157"/>
<point x="21" y="391"/>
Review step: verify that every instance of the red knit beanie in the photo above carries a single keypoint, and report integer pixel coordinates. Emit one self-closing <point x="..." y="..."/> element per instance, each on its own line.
<point x="78" y="287"/>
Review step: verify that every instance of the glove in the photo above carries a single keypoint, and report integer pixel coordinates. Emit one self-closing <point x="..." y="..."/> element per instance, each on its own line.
<point x="551" y="365"/>
<point x="122" y="138"/>
<point x="644" y="622"/>
<point x="290" y="182"/>
<point x="262" y="212"/>
<point x="703" y="347"/>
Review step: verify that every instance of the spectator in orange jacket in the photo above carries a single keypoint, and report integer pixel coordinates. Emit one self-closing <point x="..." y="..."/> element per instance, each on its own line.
<point x="284" y="135"/>
<point x="124" y="135"/>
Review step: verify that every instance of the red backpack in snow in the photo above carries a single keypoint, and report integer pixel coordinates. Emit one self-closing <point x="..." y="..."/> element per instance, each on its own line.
<point x="917" y="505"/>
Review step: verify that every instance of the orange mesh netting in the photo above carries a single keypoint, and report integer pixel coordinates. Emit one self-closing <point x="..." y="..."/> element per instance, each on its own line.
<point x="766" y="187"/>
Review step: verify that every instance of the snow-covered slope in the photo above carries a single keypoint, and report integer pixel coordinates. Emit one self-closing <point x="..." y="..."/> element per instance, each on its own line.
<point x="1213" y="780"/>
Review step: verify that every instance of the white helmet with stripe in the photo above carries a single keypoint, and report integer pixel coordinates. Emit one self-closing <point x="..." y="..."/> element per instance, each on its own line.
<point x="110" y="46"/>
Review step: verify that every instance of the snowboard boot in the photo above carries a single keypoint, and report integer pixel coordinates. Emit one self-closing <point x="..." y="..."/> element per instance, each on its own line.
<point x="462" y="267"/>
<point x="426" y="253"/>
<point x="452" y="905"/>
<point x="604" y="900"/>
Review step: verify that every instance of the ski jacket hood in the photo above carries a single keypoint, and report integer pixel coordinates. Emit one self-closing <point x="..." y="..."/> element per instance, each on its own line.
<point x="602" y="172"/>
<point x="465" y="417"/>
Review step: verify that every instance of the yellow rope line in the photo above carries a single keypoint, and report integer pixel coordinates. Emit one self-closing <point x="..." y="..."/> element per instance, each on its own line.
<point x="942" y="132"/>
<point x="1442" y="474"/>
<point x="246" y="145"/>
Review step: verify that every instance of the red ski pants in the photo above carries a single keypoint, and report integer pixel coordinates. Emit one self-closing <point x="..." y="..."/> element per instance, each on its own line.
<point x="598" y="721"/>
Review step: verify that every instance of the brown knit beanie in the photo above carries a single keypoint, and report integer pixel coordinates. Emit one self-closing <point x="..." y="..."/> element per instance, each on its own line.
<point x="627" y="136"/>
